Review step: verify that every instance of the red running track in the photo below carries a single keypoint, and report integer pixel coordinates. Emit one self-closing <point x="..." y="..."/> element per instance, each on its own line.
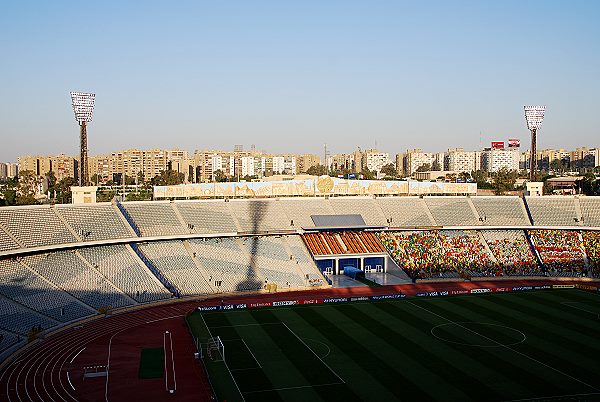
<point x="39" y="373"/>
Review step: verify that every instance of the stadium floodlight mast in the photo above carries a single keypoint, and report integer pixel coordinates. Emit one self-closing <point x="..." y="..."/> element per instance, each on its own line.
<point x="83" y="107"/>
<point x="534" y="115"/>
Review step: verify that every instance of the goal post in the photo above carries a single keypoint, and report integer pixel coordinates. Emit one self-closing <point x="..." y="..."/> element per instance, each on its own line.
<point x="215" y="350"/>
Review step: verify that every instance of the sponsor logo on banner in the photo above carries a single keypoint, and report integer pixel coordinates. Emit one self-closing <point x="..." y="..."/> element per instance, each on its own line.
<point x="228" y="307"/>
<point x="563" y="286"/>
<point x="434" y="294"/>
<point x="260" y="304"/>
<point x="362" y="298"/>
<point x="241" y="306"/>
<point x="587" y="287"/>
<point x="514" y="143"/>
<point x="519" y="288"/>
<point x="482" y="290"/>
<point x="542" y="287"/>
<point x="312" y="301"/>
<point x="459" y="292"/>
<point x="285" y="303"/>
<point x="336" y="300"/>
<point x="497" y="144"/>
<point x="501" y="289"/>
<point x="208" y="308"/>
<point x="422" y="294"/>
<point x="383" y="297"/>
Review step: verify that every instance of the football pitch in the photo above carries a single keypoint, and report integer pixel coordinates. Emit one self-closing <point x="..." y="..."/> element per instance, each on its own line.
<point x="515" y="346"/>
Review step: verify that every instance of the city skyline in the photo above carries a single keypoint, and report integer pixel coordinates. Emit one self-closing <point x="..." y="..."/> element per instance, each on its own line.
<point x="291" y="77"/>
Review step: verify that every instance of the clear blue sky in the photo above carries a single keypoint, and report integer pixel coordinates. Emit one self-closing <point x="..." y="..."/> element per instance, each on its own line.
<point x="292" y="75"/>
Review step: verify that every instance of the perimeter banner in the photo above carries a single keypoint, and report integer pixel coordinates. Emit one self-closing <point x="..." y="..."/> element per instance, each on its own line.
<point x="324" y="185"/>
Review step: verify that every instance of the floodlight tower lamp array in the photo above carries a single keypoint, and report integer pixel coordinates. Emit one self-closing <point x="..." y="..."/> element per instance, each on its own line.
<point x="534" y="115"/>
<point x="83" y="107"/>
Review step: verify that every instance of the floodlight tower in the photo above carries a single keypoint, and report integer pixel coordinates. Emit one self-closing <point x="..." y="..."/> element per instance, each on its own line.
<point x="83" y="106"/>
<point x="534" y="115"/>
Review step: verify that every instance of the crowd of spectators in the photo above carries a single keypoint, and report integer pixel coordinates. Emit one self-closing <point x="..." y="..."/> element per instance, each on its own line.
<point x="591" y="243"/>
<point x="513" y="253"/>
<point x="440" y="254"/>
<point x="561" y="251"/>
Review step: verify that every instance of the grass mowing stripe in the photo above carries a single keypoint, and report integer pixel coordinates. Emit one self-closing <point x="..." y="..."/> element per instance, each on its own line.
<point x="482" y="362"/>
<point x="460" y="388"/>
<point x="352" y="372"/>
<point x="404" y="386"/>
<point x="525" y="367"/>
<point x="580" y="316"/>
<point x="466" y="360"/>
<point x="543" y="345"/>
<point x="542" y="367"/>
<point x="247" y="380"/>
<point x="152" y="363"/>
<point x="314" y="370"/>
<point x="538" y="317"/>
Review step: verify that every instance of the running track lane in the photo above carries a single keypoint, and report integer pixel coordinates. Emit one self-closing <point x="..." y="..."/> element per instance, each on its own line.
<point x="39" y="373"/>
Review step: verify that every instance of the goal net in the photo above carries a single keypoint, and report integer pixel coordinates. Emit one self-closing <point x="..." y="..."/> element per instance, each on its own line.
<point x="215" y="350"/>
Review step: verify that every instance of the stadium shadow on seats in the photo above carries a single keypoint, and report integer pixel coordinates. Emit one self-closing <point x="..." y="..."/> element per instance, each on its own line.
<point x="252" y="281"/>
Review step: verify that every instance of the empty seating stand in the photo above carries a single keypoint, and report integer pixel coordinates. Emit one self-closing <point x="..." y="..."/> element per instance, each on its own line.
<point x="97" y="222"/>
<point x="501" y="211"/>
<point x="553" y="211"/>
<point x="368" y="208"/>
<point x="451" y="211"/>
<point x="155" y="218"/>
<point x="206" y="216"/>
<point x="404" y="211"/>
<point x="35" y="226"/>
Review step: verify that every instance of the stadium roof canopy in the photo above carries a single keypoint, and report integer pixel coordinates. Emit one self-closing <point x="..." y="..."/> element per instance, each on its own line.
<point x="333" y="222"/>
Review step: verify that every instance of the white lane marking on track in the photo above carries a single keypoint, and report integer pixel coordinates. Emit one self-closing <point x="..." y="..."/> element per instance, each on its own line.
<point x="70" y="383"/>
<point x="74" y="357"/>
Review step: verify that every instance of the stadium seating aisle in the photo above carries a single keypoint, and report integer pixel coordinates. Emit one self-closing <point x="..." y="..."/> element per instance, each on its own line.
<point x="404" y="211"/>
<point x="122" y="268"/>
<point x="501" y="211"/>
<point x="590" y="210"/>
<point x="561" y="251"/>
<point x="553" y="211"/>
<point x="440" y="254"/>
<point x="35" y="225"/>
<point x="19" y="319"/>
<point x="69" y="272"/>
<point x="451" y="211"/>
<point x="97" y="222"/>
<point x="207" y="216"/>
<point x="511" y="249"/>
<point x="155" y="218"/>
<point x="173" y="261"/>
<point x="591" y="243"/>
<point x="30" y="290"/>
<point x="6" y="242"/>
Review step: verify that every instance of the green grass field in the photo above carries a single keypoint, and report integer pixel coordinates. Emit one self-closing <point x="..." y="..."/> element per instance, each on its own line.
<point x="492" y="347"/>
<point x="152" y="363"/>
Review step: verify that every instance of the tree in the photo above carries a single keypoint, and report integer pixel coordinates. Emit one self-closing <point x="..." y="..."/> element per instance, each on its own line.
<point x="63" y="190"/>
<point x="317" y="170"/>
<point x="168" y="178"/>
<point x="219" y="176"/>
<point x="367" y="174"/>
<point x="504" y="181"/>
<point x="51" y="180"/>
<point x="556" y="165"/>
<point x="27" y="188"/>
<point x="588" y="184"/>
<point x="436" y="166"/>
<point x="426" y="167"/>
<point x="389" y="170"/>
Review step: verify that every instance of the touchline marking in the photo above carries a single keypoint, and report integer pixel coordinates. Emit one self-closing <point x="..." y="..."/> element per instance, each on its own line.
<point x="245" y="325"/>
<point x="505" y="346"/>
<point x="545" y="398"/>
<point x="313" y="352"/>
<point x="568" y="304"/>
<point x="298" y="387"/>
<point x="76" y="355"/>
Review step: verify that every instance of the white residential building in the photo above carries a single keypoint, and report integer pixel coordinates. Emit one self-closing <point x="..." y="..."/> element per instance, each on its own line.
<point x="460" y="160"/>
<point x="494" y="160"/>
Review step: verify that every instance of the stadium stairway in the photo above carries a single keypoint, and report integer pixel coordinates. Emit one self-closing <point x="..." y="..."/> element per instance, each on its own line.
<point x="172" y="288"/>
<point x="188" y="248"/>
<point x="129" y="219"/>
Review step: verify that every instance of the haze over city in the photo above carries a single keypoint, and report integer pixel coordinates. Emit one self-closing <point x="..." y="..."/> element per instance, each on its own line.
<point x="289" y="77"/>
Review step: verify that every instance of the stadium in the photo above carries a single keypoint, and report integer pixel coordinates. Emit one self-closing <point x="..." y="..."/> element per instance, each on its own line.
<point x="302" y="298"/>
